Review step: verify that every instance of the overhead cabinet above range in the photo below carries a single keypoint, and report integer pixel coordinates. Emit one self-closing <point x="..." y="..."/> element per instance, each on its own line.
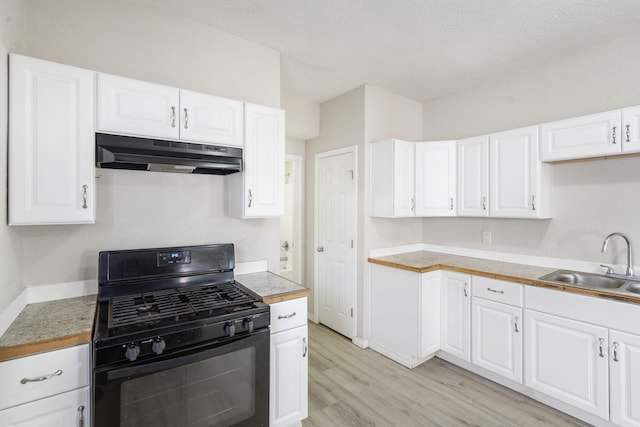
<point x="139" y="108"/>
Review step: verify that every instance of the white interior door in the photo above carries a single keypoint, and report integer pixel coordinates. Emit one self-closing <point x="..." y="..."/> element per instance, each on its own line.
<point x="336" y="233"/>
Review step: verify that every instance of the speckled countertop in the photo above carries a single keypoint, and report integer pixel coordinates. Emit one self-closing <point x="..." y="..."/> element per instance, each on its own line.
<point x="423" y="262"/>
<point x="49" y="326"/>
<point x="271" y="287"/>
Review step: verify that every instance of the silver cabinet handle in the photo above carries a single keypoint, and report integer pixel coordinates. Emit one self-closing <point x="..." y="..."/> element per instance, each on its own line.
<point x="613" y="135"/>
<point x="533" y="202"/>
<point x="84" y="196"/>
<point x="43" y="378"/>
<point x="615" y="352"/>
<point x="305" y="348"/>
<point x="81" y="421"/>
<point x="186" y="119"/>
<point x="628" y="133"/>
<point x="413" y="204"/>
<point x="250" y="198"/>
<point x="320" y="249"/>
<point x="288" y="316"/>
<point x="515" y="324"/>
<point x="495" y="291"/>
<point x="173" y="116"/>
<point x="466" y="286"/>
<point x="451" y="204"/>
<point x="601" y="347"/>
<point x="484" y="203"/>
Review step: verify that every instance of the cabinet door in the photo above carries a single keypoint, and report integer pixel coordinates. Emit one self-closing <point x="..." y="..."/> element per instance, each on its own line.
<point x="393" y="178"/>
<point x="567" y="360"/>
<point x="624" y="365"/>
<point x="258" y="192"/>
<point x="496" y="339"/>
<point x="51" y="143"/>
<point x="587" y="136"/>
<point x="289" y="377"/>
<point x="206" y="118"/>
<point x="136" y="107"/>
<point x="514" y="166"/>
<point x="631" y="130"/>
<point x="435" y="178"/>
<point x="66" y="409"/>
<point x="455" y="324"/>
<point x="473" y="176"/>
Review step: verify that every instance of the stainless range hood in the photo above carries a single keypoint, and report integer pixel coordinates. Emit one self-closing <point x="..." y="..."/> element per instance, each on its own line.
<point x="126" y="152"/>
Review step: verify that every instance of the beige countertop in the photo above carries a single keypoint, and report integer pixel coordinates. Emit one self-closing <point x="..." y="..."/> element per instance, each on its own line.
<point x="423" y="262"/>
<point x="271" y="287"/>
<point x="49" y="325"/>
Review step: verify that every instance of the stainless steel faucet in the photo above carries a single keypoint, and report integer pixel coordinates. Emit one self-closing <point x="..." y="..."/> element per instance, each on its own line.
<point x="629" y="253"/>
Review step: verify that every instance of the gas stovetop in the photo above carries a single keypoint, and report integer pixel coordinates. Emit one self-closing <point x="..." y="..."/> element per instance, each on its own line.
<point x="173" y="306"/>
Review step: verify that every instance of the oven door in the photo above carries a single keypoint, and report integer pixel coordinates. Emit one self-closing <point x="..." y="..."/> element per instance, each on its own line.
<point x="219" y="385"/>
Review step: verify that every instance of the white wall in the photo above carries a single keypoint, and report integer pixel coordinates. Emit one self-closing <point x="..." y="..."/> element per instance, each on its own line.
<point x="142" y="209"/>
<point x="10" y="242"/>
<point x="591" y="198"/>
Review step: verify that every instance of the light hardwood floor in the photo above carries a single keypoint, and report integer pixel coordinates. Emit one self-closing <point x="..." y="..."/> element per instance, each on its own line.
<point x="349" y="386"/>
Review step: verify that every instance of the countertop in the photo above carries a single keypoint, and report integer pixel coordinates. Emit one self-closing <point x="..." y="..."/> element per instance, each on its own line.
<point x="423" y="262"/>
<point x="271" y="287"/>
<point x="49" y="325"/>
<point x="64" y="323"/>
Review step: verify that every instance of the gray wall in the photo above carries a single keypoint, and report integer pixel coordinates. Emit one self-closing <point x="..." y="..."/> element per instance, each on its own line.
<point x="136" y="209"/>
<point x="591" y="198"/>
<point x="10" y="241"/>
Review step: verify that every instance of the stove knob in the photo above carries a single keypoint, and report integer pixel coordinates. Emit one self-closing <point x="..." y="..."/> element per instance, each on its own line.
<point x="248" y="324"/>
<point x="133" y="350"/>
<point x="230" y="329"/>
<point x="158" y="346"/>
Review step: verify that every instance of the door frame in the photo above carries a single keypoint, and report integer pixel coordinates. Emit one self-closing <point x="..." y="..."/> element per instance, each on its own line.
<point x="298" y="195"/>
<point x="353" y="149"/>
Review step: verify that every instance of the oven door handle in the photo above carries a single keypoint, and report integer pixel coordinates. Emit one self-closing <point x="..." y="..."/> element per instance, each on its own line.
<point x="163" y="365"/>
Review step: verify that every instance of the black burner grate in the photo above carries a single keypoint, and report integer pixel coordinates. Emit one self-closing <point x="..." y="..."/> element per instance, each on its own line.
<point x="175" y="305"/>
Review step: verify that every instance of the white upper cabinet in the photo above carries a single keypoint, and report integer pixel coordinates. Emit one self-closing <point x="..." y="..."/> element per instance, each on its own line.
<point x="520" y="186"/>
<point x="51" y="143"/>
<point x="473" y="176"/>
<point x="587" y="136"/>
<point x="206" y="118"/>
<point x="393" y="178"/>
<point x="137" y="108"/>
<point x="146" y="109"/>
<point x="258" y="192"/>
<point x="631" y="129"/>
<point x="435" y="171"/>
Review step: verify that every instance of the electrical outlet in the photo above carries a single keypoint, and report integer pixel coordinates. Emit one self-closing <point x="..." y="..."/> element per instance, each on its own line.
<point x="486" y="237"/>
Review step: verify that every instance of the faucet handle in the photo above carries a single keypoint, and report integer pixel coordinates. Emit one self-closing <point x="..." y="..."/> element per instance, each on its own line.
<point x="609" y="269"/>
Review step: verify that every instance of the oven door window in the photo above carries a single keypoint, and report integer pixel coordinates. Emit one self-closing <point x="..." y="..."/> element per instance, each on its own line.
<point x="224" y="386"/>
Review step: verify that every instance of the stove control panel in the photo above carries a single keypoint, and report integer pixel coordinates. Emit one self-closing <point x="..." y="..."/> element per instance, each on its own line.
<point x="174" y="257"/>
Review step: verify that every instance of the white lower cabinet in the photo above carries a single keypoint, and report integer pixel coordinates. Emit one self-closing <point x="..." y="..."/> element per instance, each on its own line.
<point x="624" y="362"/>
<point x="567" y="359"/>
<point x="405" y="319"/>
<point x="66" y="409"/>
<point x="288" y="387"/>
<point x="496" y="338"/>
<point x="455" y="316"/>
<point x="47" y="389"/>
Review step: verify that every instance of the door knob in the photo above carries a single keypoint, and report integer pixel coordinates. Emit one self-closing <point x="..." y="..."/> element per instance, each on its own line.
<point x="320" y="249"/>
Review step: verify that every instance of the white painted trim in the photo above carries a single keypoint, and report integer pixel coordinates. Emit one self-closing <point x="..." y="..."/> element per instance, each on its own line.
<point x="312" y="317"/>
<point x="346" y="150"/>
<point x="298" y="232"/>
<point x="251" y="267"/>
<point x="360" y="342"/>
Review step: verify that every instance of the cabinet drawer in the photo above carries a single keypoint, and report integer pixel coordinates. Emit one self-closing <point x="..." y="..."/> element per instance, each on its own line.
<point x="288" y="314"/>
<point x="497" y="290"/>
<point x="72" y="362"/>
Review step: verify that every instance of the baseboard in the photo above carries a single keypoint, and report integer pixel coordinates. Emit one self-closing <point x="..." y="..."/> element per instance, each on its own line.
<point x="360" y="342"/>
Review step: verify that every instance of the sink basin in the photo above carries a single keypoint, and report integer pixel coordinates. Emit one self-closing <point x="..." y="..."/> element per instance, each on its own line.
<point x="633" y="288"/>
<point x="588" y="280"/>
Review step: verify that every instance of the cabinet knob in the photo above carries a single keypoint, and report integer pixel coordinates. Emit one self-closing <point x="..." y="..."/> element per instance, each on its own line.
<point x="84" y="196"/>
<point x="451" y="204"/>
<point x="613" y="135"/>
<point x="628" y="133"/>
<point x="250" y="198"/>
<point x="615" y="352"/>
<point x="601" y="347"/>
<point x="186" y="119"/>
<point x="515" y="324"/>
<point x="413" y="204"/>
<point x="533" y="202"/>
<point x="305" y="348"/>
<point x="81" y="420"/>
<point x="173" y="116"/>
<point x="484" y="203"/>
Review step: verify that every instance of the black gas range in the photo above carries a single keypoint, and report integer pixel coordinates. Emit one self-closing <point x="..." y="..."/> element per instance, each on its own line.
<point x="177" y="342"/>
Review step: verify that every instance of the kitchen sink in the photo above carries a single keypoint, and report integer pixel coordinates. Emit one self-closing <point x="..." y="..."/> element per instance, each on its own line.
<point x="588" y="280"/>
<point x="633" y="288"/>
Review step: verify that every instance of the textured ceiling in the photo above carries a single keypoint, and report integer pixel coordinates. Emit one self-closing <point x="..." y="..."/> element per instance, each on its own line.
<point x="419" y="48"/>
